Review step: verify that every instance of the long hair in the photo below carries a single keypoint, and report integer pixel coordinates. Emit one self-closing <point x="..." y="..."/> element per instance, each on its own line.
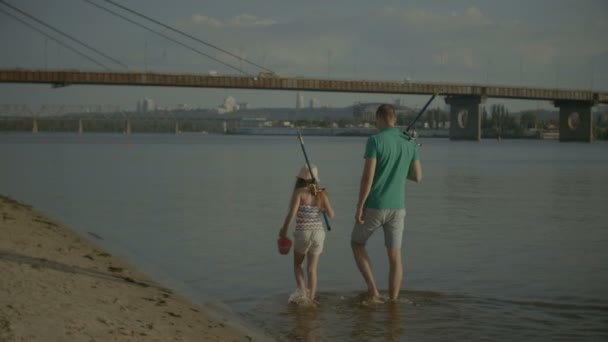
<point x="302" y="183"/>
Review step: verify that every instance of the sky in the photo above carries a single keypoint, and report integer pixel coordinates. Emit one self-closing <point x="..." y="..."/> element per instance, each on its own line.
<point x="538" y="43"/>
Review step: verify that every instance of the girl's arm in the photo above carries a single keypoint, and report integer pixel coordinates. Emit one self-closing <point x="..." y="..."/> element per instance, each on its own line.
<point x="293" y="209"/>
<point x="326" y="206"/>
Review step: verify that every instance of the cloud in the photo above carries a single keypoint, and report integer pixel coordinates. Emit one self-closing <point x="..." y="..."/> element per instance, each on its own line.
<point x="248" y="20"/>
<point x="310" y="54"/>
<point x="540" y="53"/>
<point x="472" y="17"/>
<point x="203" y="20"/>
<point x="455" y="56"/>
<point x="241" y="20"/>
<point x="475" y="15"/>
<point x="384" y="41"/>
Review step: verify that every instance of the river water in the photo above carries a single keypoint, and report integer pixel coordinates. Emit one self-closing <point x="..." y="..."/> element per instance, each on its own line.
<point x="504" y="240"/>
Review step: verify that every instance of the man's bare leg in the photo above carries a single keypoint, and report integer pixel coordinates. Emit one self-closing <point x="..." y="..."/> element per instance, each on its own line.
<point x="395" y="273"/>
<point x="365" y="268"/>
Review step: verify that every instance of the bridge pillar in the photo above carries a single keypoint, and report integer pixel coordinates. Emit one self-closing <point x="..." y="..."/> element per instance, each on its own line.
<point x="575" y="120"/>
<point x="80" y="128"/>
<point x="35" y="126"/>
<point x="127" y="127"/>
<point x="465" y="117"/>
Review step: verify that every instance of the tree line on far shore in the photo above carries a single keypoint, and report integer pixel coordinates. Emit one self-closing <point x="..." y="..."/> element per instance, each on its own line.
<point x="498" y="122"/>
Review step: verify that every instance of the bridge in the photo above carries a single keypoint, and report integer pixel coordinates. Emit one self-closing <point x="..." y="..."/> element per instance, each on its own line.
<point x="575" y="118"/>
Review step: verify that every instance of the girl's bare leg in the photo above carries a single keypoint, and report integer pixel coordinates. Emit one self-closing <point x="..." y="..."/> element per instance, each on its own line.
<point x="298" y="261"/>
<point x="313" y="261"/>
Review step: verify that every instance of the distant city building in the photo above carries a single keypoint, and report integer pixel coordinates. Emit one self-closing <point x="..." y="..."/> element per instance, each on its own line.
<point x="314" y="103"/>
<point x="243" y="105"/>
<point x="149" y="105"/>
<point x="365" y="111"/>
<point x="229" y="106"/>
<point x="299" y="100"/>
<point x="146" y="105"/>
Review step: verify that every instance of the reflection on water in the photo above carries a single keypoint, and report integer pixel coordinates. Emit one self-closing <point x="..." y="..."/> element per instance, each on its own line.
<point x="395" y="322"/>
<point x="428" y="316"/>
<point x="305" y="325"/>
<point x="340" y="318"/>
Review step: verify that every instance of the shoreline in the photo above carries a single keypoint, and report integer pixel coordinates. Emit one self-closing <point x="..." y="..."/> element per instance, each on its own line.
<point x="59" y="286"/>
<point x="320" y="132"/>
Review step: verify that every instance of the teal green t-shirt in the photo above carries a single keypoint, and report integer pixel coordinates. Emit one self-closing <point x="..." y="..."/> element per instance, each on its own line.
<point x="394" y="152"/>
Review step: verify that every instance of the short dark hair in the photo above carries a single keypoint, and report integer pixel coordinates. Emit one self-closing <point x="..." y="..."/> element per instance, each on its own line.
<point x="386" y="112"/>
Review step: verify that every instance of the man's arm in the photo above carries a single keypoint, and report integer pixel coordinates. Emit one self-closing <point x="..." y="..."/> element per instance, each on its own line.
<point x="415" y="173"/>
<point x="369" y="169"/>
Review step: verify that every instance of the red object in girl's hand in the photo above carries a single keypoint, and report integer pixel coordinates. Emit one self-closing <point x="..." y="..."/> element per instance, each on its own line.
<point x="284" y="245"/>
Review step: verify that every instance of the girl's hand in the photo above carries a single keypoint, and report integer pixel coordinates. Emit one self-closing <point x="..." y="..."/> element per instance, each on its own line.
<point x="283" y="232"/>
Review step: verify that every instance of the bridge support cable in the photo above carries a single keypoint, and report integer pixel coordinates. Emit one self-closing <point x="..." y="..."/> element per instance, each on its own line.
<point x="165" y="36"/>
<point x="188" y="35"/>
<point x="63" y="34"/>
<point x="91" y="59"/>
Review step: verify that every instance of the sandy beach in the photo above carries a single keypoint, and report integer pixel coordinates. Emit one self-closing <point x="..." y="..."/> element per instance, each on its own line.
<point x="57" y="286"/>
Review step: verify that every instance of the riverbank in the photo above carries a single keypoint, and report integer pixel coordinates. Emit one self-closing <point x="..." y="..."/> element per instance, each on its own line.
<point x="57" y="286"/>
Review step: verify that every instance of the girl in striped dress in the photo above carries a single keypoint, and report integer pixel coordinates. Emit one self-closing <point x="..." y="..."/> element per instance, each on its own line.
<point x="307" y="203"/>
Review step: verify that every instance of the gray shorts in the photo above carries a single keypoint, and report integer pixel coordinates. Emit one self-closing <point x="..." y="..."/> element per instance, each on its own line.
<point x="309" y="241"/>
<point x="392" y="222"/>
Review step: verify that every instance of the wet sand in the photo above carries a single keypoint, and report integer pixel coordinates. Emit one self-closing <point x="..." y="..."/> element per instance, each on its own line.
<point x="57" y="286"/>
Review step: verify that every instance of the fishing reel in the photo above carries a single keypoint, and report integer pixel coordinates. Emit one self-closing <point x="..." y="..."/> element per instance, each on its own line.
<point x="314" y="189"/>
<point x="412" y="136"/>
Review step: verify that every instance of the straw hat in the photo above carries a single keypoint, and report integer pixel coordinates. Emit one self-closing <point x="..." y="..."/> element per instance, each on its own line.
<point x="305" y="174"/>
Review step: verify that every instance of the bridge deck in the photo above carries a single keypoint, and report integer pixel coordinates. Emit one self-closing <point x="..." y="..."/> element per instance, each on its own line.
<point x="63" y="78"/>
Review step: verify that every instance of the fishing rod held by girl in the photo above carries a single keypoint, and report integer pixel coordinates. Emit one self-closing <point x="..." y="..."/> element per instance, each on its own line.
<point x="315" y="190"/>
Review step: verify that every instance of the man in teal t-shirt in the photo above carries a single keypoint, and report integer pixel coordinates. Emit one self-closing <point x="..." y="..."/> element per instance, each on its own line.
<point x="391" y="157"/>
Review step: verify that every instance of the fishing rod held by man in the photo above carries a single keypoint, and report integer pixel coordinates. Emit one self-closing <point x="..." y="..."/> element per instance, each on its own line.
<point x="412" y="135"/>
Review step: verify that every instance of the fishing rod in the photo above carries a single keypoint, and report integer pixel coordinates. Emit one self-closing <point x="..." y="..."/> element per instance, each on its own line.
<point x="407" y="130"/>
<point x="314" y="180"/>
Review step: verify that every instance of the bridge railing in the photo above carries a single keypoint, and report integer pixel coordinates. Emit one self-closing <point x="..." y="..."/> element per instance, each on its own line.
<point x="61" y="78"/>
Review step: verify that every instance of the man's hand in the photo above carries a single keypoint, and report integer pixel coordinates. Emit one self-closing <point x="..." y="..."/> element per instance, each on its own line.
<point x="359" y="215"/>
